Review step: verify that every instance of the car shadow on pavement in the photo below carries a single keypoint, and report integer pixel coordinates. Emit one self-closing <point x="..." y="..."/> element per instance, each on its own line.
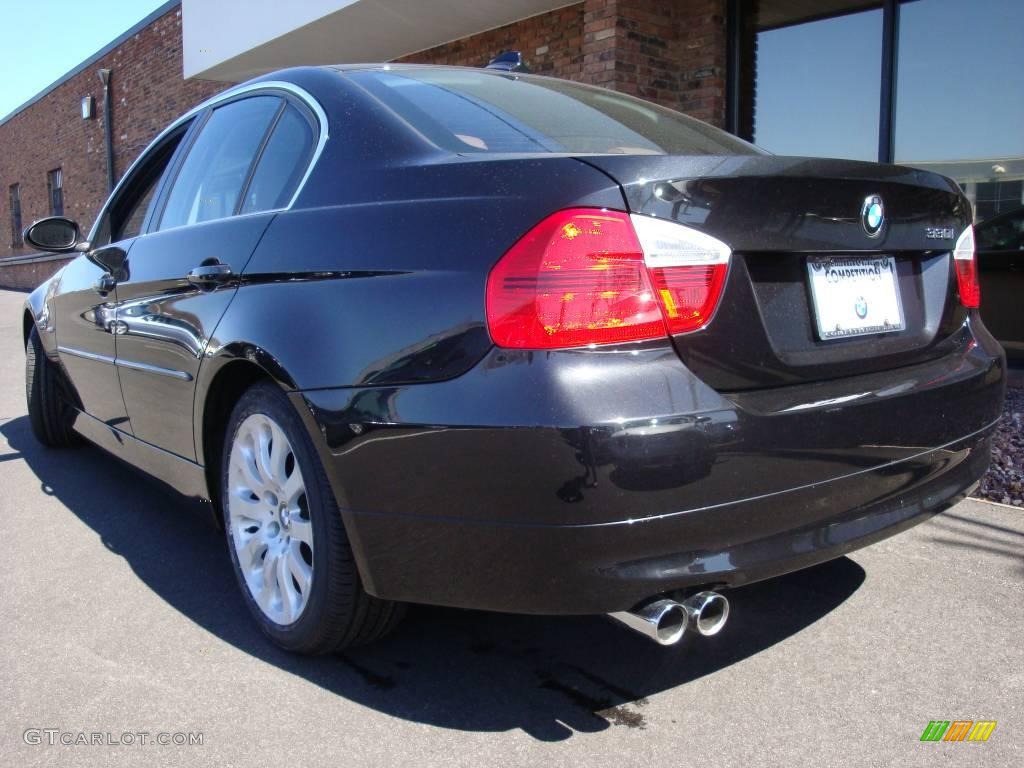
<point x="468" y="670"/>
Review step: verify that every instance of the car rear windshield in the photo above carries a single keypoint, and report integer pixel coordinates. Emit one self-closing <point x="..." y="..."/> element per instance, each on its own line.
<point x="469" y="111"/>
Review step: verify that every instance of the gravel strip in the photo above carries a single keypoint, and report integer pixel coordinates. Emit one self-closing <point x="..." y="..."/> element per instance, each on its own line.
<point x="1004" y="481"/>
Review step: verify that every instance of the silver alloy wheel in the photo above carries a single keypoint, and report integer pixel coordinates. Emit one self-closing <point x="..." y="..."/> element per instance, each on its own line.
<point x="268" y="518"/>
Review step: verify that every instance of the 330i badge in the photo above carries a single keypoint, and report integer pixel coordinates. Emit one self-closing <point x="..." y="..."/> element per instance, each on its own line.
<point x="484" y="339"/>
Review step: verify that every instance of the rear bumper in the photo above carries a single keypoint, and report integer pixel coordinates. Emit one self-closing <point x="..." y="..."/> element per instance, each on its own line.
<point x="585" y="483"/>
<point x="612" y="567"/>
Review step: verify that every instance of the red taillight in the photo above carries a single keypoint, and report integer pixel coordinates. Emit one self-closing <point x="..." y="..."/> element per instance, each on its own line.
<point x="585" y="276"/>
<point x="967" y="270"/>
<point x="688" y="268"/>
<point x="577" y="278"/>
<point x="688" y="294"/>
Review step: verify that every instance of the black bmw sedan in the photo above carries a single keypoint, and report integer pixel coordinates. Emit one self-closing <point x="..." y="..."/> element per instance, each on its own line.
<point x="490" y="340"/>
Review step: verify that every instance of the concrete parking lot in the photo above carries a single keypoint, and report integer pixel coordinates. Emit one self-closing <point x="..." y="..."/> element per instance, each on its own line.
<point x="121" y="615"/>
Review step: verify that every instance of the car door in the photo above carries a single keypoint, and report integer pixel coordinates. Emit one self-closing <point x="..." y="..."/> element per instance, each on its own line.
<point x="184" y="272"/>
<point x="85" y="301"/>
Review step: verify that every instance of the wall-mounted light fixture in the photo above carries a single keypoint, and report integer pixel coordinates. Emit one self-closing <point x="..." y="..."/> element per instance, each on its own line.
<point x="88" y="107"/>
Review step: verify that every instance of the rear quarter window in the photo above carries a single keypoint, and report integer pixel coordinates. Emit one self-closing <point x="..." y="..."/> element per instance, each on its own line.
<point x="282" y="164"/>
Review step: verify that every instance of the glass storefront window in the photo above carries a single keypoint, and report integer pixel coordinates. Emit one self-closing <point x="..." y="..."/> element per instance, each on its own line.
<point x="960" y="97"/>
<point x="810" y="78"/>
<point x="817" y="72"/>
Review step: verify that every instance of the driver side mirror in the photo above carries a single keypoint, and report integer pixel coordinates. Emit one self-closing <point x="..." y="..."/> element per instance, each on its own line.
<point x="55" y="234"/>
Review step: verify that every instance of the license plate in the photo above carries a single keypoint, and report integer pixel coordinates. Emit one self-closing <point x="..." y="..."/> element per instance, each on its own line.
<point x="855" y="296"/>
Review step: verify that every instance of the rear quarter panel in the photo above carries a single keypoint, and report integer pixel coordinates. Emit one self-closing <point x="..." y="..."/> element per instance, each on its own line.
<point x="391" y="289"/>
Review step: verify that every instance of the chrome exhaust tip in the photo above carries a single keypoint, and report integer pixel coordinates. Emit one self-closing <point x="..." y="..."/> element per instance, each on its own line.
<point x="663" y="621"/>
<point x="706" y="612"/>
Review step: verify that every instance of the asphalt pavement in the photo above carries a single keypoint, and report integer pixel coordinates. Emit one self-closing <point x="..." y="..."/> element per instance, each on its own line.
<point x="122" y="618"/>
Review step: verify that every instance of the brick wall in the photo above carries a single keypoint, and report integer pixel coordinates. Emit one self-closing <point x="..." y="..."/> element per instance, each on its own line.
<point x="551" y="44"/>
<point x="669" y="51"/>
<point x="24" y="273"/>
<point x="148" y="92"/>
<point x="701" y="51"/>
<point x="672" y="52"/>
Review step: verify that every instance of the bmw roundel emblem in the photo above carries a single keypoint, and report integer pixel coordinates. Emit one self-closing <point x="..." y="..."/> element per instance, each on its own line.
<point x="861" y="307"/>
<point x="872" y="215"/>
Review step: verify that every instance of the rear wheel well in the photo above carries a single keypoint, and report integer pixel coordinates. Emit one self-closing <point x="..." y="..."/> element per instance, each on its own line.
<point x="225" y="390"/>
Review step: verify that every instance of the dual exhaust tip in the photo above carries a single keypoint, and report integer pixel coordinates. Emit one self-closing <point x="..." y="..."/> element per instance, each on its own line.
<point x="666" y="621"/>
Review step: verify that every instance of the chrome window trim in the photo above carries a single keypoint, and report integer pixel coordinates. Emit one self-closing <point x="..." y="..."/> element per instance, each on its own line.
<point x="269" y="85"/>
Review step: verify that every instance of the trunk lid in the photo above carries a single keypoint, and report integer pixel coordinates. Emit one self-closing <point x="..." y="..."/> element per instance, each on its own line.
<point x="779" y="213"/>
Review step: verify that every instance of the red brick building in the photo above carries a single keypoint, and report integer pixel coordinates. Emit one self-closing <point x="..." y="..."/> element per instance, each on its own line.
<point x="670" y="52"/>
<point x="49" y="133"/>
<point x="844" y="78"/>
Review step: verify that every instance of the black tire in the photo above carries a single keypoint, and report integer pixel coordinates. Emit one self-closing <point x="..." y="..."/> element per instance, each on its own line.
<point x="338" y="613"/>
<point x="49" y="412"/>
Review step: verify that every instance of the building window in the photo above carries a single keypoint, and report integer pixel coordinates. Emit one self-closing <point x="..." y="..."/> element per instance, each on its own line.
<point x="15" y="193"/>
<point x="960" y="98"/>
<point x="813" y="75"/>
<point x="55" y="185"/>
<point x="815" y="78"/>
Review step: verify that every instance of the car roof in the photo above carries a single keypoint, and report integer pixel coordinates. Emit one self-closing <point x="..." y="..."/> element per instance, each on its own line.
<point x="396" y="67"/>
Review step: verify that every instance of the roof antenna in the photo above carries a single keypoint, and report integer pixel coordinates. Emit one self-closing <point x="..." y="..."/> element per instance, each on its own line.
<point x="508" y="61"/>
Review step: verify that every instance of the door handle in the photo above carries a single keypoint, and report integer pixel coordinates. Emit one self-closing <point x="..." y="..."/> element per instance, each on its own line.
<point x="210" y="275"/>
<point x="104" y="284"/>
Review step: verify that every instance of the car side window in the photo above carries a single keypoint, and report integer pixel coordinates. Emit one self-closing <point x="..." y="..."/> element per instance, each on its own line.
<point x="126" y="214"/>
<point x="210" y="180"/>
<point x="282" y="164"/>
<point x="136" y="213"/>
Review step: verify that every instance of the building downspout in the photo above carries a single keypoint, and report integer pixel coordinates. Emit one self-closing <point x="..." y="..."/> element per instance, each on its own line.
<point x="732" y="66"/>
<point x="108" y="136"/>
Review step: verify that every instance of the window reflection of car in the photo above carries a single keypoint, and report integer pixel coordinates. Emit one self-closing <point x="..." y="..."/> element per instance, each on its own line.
<point x="1000" y="244"/>
<point x="1003" y="233"/>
